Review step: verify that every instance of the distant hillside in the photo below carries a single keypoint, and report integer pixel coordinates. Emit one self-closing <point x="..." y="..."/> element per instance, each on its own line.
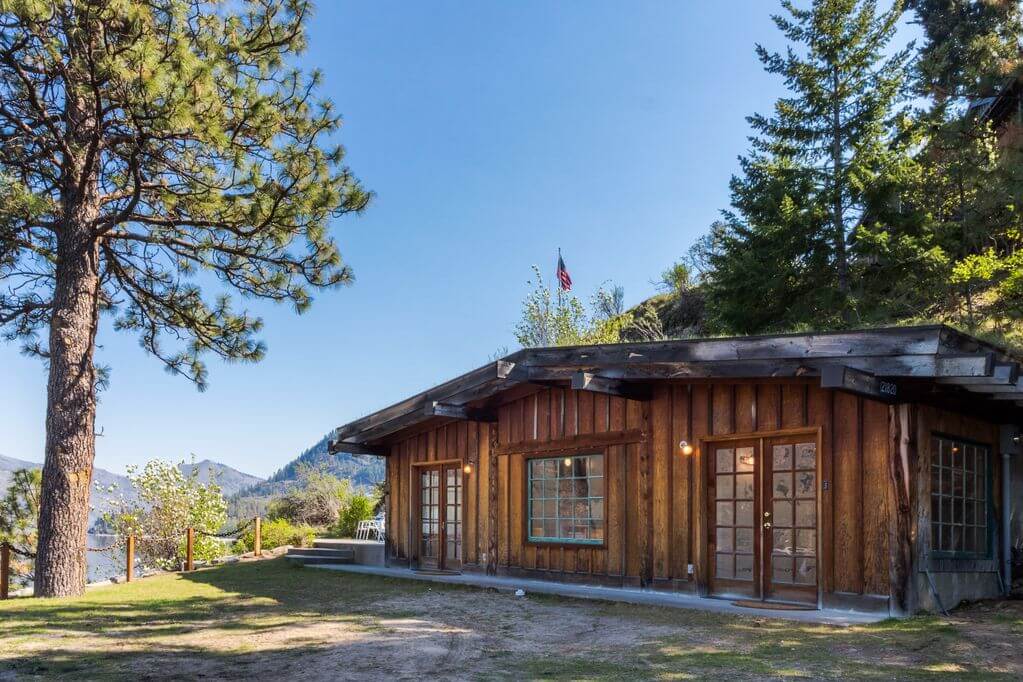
<point x="364" y="471"/>
<point x="231" y="481"/>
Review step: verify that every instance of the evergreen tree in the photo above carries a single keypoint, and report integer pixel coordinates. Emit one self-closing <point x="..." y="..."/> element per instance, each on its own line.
<point x="970" y="46"/>
<point x="784" y="259"/>
<point x="144" y="143"/>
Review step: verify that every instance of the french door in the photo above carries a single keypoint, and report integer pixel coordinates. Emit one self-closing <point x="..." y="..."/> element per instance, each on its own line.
<point x="763" y="512"/>
<point x="440" y="517"/>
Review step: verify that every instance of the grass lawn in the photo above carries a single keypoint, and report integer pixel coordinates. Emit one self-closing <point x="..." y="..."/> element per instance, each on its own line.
<point x="269" y="619"/>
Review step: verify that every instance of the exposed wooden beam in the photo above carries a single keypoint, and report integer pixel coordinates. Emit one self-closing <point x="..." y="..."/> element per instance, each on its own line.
<point x="894" y="341"/>
<point x="857" y="381"/>
<point x="336" y="447"/>
<point x="438" y="409"/>
<point x="1002" y="374"/>
<point x="921" y="366"/>
<point x="582" y="442"/>
<point x="587" y="381"/>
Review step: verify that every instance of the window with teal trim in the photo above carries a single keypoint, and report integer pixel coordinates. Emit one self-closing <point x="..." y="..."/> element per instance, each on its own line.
<point x="566" y="499"/>
<point x="960" y="499"/>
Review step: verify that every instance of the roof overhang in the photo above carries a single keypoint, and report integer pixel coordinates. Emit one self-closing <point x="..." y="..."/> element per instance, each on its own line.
<point x="927" y="360"/>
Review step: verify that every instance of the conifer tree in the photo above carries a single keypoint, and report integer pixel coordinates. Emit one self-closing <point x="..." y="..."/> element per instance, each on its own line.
<point x="147" y="147"/>
<point x="804" y="183"/>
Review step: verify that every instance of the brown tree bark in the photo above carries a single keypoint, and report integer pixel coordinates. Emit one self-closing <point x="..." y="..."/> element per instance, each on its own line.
<point x="70" y="414"/>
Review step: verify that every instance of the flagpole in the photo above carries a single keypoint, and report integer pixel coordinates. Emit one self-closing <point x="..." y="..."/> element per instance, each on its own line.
<point x="558" y="284"/>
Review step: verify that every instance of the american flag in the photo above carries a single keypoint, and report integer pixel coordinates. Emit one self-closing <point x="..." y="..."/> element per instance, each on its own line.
<point x="564" y="279"/>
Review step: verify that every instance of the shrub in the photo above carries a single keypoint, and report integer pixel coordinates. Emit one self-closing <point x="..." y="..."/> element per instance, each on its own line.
<point x="276" y="533"/>
<point x="316" y="498"/>
<point x="359" y="508"/>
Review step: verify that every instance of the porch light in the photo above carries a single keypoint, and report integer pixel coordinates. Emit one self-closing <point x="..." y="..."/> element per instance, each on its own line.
<point x="467" y="468"/>
<point x="687" y="449"/>
<point x="568" y="461"/>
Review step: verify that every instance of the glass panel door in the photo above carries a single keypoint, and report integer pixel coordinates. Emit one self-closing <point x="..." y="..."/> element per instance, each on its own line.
<point x="452" y="518"/>
<point x="790" y="521"/>
<point x="440" y="517"/>
<point x="429" y="516"/>
<point x="734" y="540"/>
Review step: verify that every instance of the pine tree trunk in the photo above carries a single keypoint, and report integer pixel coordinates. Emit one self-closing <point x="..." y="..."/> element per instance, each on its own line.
<point x="837" y="213"/>
<point x="70" y="413"/>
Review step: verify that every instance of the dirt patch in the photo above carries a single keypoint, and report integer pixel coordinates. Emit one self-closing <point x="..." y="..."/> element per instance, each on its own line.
<point x="266" y="619"/>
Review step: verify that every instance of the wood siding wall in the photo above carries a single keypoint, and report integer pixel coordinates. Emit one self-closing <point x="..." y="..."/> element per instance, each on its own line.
<point x="653" y="495"/>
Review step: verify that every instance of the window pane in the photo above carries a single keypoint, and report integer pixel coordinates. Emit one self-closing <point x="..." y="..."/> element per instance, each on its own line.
<point x="725" y="514"/>
<point x="744" y="459"/>
<point x="725" y="486"/>
<point x="744" y="513"/>
<point x="744" y="487"/>
<point x="567" y="499"/>
<point x="725" y="460"/>
<point x="806" y="456"/>
<point x="724" y="540"/>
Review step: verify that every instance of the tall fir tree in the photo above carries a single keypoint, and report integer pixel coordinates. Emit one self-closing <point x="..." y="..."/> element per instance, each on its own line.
<point x="806" y="180"/>
<point x="148" y="147"/>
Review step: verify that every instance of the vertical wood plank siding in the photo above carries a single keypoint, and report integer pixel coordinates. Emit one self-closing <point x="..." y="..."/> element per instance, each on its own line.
<point x="655" y="523"/>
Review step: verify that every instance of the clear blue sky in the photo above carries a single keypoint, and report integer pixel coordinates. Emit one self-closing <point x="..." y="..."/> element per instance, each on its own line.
<point x="492" y="133"/>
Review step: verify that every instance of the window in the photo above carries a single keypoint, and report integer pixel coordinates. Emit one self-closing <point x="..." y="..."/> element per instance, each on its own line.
<point x="960" y="499"/>
<point x="566" y="499"/>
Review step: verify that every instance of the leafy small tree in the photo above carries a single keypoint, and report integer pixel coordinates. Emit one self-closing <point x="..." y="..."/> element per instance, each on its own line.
<point x="165" y="503"/>
<point x="359" y="508"/>
<point x="560" y="319"/>
<point x="317" y="498"/>
<point x="19" y="510"/>
<point x="148" y="147"/>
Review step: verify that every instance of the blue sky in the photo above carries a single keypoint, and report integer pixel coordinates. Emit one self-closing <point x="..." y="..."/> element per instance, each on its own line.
<point x="492" y="133"/>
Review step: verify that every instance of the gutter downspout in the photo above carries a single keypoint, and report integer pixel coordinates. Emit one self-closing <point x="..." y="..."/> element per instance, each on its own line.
<point x="1010" y="445"/>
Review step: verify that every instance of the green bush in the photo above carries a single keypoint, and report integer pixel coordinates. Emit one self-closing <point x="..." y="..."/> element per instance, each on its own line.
<point x="276" y="533"/>
<point x="359" y="508"/>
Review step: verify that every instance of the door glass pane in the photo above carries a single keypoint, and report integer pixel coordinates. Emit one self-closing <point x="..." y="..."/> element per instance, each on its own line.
<point x="782" y="485"/>
<point x="724" y="540"/>
<point x="782" y="458"/>
<point x="806" y="571"/>
<point x="781" y="569"/>
<point x="724" y="566"/>
<point x="782" y="541"/>
<point x="725" y="514"/>
<point x="744" y="540"/>
<point x="744" y="567"/>
<point x="806" y="485"/>
<point x="806" y="516"/>
<point x="806" y="456"/>
<point x="725" y="460"/>
<point x="782" y="513"/>
<point x="744" y="459"/>
<point x="744" y="487"/>
<point x="744" y="513"/>
<point x="725" y="486"/>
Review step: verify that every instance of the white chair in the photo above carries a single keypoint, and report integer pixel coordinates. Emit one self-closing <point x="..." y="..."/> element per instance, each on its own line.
<point x="365" y="529"/>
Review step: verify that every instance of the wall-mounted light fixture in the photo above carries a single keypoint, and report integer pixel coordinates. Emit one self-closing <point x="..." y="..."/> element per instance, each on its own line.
<point x="467" y="468"/>
<point x="568" y="461"/>
<point x="687" y="449"/>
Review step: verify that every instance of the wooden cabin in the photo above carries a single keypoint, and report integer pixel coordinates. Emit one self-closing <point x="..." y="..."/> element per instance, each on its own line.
<point x="862" y="470"/>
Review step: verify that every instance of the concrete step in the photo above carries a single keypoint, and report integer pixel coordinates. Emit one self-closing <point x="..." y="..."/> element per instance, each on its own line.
<point x="310" y="559"/>
<point x="321" y="552"/>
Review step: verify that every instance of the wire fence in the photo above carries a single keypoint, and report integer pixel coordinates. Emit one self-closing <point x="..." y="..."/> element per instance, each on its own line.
<point x="128" y="543"/>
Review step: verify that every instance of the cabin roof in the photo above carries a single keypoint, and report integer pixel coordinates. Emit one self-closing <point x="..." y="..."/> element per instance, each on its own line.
<point x="930" y="363"/>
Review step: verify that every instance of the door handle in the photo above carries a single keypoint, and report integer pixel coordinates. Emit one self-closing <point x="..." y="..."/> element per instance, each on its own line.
<point x="767" y="525"/>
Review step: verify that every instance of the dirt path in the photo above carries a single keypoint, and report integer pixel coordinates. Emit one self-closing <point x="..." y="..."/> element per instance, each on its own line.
<point x="271" y="621"/>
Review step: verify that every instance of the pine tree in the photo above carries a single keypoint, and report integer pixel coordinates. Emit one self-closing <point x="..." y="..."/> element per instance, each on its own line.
<point x="148" y="147"/>
<point x="805" y="182"/>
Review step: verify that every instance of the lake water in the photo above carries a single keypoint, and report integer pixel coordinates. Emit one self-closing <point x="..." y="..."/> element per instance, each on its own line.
<point x="104" y="565"/>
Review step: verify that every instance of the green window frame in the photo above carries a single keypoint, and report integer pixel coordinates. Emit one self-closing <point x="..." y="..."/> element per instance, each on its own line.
<point x="565" y="499"/>
<point x="961" y="504"/>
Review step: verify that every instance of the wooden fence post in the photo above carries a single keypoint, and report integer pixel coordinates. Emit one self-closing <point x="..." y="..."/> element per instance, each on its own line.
<point x="257" y="543"/>
<point x="189" y="548"/>
<point x="130" y="558"/>
<point x="5" y="570"/>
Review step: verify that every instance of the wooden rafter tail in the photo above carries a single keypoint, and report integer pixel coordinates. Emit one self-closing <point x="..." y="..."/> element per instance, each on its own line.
<point x="438" y="409"/>
<point x="587" y="381"/>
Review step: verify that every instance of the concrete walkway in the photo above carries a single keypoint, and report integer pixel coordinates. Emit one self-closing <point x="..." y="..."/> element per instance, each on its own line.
<point x="616" y="594"/>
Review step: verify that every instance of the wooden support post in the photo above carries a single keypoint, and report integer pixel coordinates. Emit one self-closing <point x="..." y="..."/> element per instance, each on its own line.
<point x="189" y="550"/>
<point x="257" y="543"/>
<point x="5" y="570"/>
<point x="130" y="559"/>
